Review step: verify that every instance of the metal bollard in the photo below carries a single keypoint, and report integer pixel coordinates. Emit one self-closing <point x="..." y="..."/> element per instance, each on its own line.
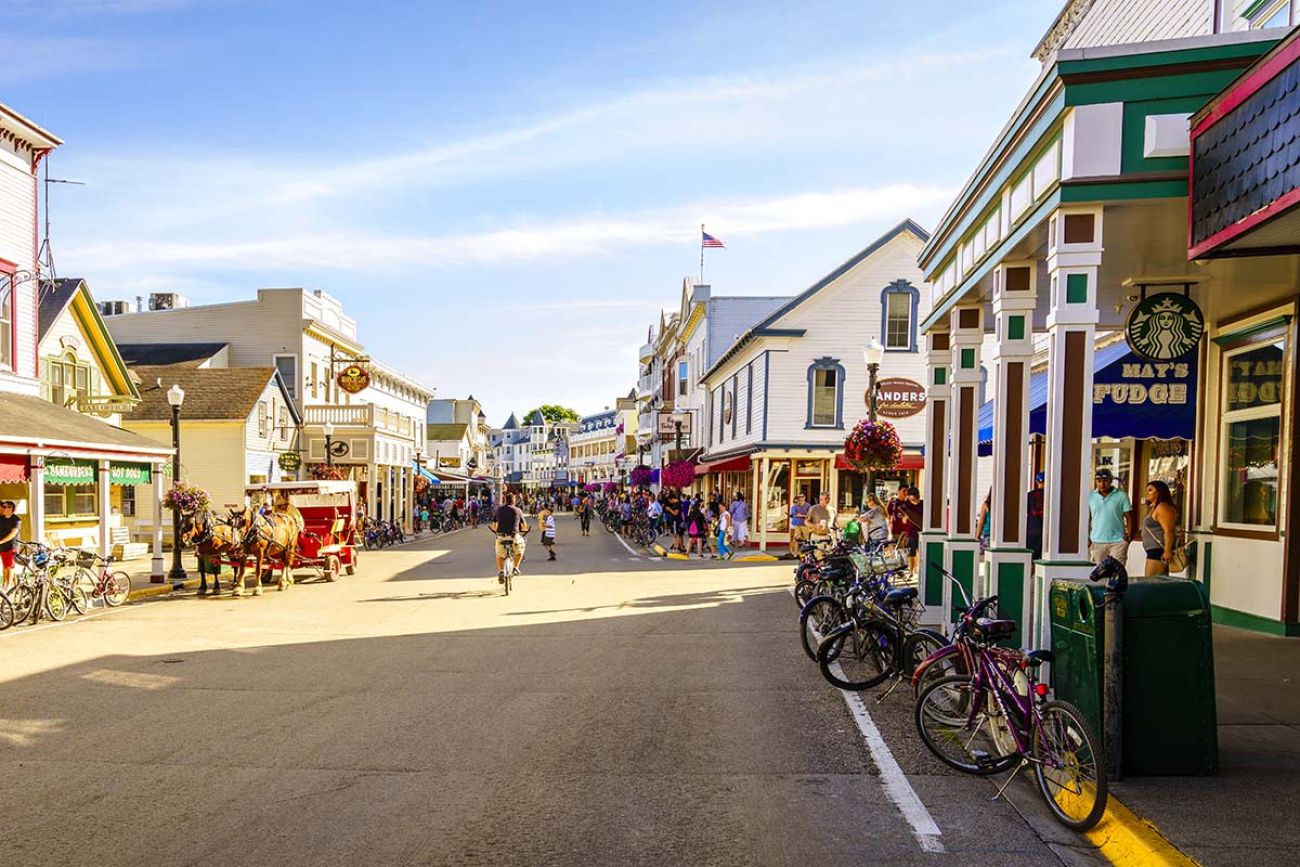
<point x="1113" y="682"/>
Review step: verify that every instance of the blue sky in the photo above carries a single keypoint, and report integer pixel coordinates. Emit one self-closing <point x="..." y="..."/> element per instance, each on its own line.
<point x="503" y="194"/>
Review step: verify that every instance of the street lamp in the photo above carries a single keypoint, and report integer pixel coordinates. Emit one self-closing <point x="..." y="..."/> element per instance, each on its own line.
<point x="176" y="397"/>
<point x="872" y="354"/>
<point x="329" y="443"/>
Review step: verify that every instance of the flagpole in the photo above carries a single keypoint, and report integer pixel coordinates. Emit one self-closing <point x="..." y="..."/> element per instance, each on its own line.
<point x="701" y="254"/>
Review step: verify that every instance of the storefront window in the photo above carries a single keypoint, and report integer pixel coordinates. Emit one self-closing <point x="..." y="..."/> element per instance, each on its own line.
<point x="1252" y="434"/>
<point x="66" y="501"/>
<point x="776" y="514"/>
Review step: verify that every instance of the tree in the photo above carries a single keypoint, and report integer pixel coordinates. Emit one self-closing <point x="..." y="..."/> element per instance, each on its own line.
<point x="553" y="413"/>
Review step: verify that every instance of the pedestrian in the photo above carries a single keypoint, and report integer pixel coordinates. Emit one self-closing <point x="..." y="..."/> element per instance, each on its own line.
<point x="894" y="511"/>
<point x="798" y="523"/>
<point x="584" y="514"/>
<point x="724" y="534"/>
<point x="1110" y="520"/>
<point x="1034" y="518"/>
<point x="9" y="527"/>
<point x="821" y="518"/>
<point x="985" y="522"/>
<point x="546" y="518"/>
<point x="697" y="526"/>
<point x="1159" y="528"/>
<point x="875" y="524"/>
<point x="676" y="520"/>
<point x="739" y="519"/>
<point x="424" y="518"/>
<point x="913" y="510"/>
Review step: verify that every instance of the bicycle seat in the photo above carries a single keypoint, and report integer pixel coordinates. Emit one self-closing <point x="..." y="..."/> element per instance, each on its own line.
<point x="1038" y="657"/>
<point x="899" y="597"/>
<point x="996" y="628"/>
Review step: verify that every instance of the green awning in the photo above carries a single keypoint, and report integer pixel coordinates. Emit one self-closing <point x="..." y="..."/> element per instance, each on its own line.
<point x="129" y="474"/>
<point x="64" y="471"/>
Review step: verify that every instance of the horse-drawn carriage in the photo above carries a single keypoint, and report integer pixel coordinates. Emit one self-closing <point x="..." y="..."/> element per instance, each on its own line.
<point x="328" y="510"/>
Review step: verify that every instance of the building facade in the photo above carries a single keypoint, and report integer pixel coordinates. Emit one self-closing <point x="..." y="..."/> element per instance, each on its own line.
<point x="376" y="431"/>
<point x="1155" y="266"/>
<point x="785" y="394"/>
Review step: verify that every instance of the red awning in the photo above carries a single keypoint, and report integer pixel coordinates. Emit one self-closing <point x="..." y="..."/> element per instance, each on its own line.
<point x="909" y="462"/>
<point x="13" y="468"/>
<point x="730" y="465"/>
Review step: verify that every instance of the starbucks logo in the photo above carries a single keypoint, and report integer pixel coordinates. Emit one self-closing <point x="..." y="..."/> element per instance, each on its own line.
<point x="1165" y="326"/>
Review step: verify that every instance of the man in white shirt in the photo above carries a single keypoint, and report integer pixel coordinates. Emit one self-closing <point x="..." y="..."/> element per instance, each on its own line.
<point x="821" y="517"/>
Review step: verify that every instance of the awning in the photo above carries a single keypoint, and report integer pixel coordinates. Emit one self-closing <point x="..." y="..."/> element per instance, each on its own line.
<point x="727" y="465"/>
<point x="129" y="474"/>
<point x="432" y="479"/>
<point x="13" y="468"/>
<point x="62" y="471"/>
<point x="909" y="461"/>
<point x="1131" y="397"/>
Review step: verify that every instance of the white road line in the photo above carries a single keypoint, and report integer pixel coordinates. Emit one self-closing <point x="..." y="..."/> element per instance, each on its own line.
<point x="892" y="779"/>
<point x="626" y="546"/>
<point x="28" y="630"/>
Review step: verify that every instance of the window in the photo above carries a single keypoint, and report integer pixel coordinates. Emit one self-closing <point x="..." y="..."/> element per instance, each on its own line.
<point x="825" y="393"/>
<point x="6" y="320"/>
<point x="66" y="501"/>
<point x="263" y="418"/>
<point x="63" y="379"/>
<point x="749" y="399"/>
<point x="315" y="381"/>
<point x="128" y="501"/>
<point x="1252" y="434"/>
<point x="283" y="422"/>
<point x="1268" y="13"/>
<point x="898" y="316"/>
<point x="682" y="368"/>
<point x="288" y="367"/>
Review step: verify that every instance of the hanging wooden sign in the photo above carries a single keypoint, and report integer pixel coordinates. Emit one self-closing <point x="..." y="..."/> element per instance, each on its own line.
<point x="353" y="379"/>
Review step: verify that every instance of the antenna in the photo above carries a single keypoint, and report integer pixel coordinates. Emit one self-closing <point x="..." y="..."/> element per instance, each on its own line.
<point x="45" y="256"/>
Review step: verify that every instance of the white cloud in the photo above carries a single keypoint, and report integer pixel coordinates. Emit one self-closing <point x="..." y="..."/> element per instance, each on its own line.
<point x="564" y="239"/>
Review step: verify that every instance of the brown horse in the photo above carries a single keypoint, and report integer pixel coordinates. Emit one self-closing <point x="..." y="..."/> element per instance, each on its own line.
<point x="272" y="536"/>
<point x="213" y="538"/>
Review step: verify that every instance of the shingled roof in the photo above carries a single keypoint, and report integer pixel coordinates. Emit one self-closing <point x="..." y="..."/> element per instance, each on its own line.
<point x="29" y="417"/>
<point x="55" y="295"/>
<point x="223" y="393"/>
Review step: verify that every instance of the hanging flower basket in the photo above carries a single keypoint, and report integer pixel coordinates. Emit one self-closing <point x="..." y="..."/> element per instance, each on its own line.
<point x="186" y="498"/>
<point x="640" y="476"/>
<point x="873" y="446"/>
<point x="325" y="472"/>
<point x="610" y="487"/>
<point x="678" y="474"/>
<point x="591" y="488"/>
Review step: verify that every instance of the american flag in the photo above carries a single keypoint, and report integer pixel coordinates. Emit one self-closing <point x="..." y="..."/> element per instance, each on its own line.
<point x="708" y="240"/>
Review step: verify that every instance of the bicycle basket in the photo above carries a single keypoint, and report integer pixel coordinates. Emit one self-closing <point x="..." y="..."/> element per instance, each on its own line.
<point x="890" y="561"/>
<point x="86" y="558"/>
<point x="910" y="614"/>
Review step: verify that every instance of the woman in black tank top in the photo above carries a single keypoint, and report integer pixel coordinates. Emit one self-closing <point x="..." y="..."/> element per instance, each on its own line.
<point x="1159" y="528"/>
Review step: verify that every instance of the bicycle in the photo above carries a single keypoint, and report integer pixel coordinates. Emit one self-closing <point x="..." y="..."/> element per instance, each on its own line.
<point x="32" y="592"/>
<point x="998" y="717"/>
<point x="508" y="568"/>
<point x="880" y="638"/>
<point x="97" y="582"/>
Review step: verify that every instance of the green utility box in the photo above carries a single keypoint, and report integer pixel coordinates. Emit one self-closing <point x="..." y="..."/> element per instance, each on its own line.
<point x="1170" y="724"/>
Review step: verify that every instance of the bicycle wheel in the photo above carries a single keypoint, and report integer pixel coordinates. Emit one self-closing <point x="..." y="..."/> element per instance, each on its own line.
<point x="56" y="602"/>
<point x="917" y="647"/>
<point x="117" y="588"/>
<point x="1070" y="772"/>
<point x="858" y="655"/>
<point x="6" y="612"/>
<point x="23" y="599"/>
<point x="961" y="740"/>
<point x="78" y="598"/>
<point x="819" y="617"/>
<point x="803" y="592"/>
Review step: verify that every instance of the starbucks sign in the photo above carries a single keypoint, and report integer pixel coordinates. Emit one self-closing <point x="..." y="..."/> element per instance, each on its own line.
<point x="1164" y="326"/>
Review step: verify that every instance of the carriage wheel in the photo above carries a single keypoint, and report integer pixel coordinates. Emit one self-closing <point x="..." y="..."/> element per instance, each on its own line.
<point x="331" y="568"/>
<point x="351" y="567"/>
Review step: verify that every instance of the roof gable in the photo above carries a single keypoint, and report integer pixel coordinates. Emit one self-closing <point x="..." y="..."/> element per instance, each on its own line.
<point x="70" y="296"/>
<point x="212" y="394"/>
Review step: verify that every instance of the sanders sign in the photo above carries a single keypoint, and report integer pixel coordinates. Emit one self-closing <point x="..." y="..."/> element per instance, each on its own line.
<point x="898" y="398"/>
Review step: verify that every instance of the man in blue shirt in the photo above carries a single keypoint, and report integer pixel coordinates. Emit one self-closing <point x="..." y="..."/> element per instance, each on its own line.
<point x="1110" y="520"/>
<point x="798" y="523"/>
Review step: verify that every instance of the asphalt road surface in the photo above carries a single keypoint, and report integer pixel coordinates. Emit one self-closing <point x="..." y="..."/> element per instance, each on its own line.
<point x="615" y="709"/>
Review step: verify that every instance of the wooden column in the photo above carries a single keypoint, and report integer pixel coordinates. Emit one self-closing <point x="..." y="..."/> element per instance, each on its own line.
<point x="157" y="571"/>
<point x="935" y="493"/>
<point x="1074" y="248"/>
<point x="966" y="325"/>
<point x="1008" y="562"/>
<point x="104" y="500"/>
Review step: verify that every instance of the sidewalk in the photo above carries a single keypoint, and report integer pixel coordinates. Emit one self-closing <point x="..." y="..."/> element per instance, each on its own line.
<point x="1245" y="815"/>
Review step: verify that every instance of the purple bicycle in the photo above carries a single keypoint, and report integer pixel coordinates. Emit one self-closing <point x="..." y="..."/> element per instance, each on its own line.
<point x="1001" y="719"/>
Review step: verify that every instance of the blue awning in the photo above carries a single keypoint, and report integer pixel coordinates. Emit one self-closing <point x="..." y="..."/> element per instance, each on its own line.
<point x="433" y="480"/>
<point x="1131" y="397"/>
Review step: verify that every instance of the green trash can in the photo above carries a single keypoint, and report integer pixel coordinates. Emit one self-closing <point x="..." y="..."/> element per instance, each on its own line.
<point x="1170" y="721"/>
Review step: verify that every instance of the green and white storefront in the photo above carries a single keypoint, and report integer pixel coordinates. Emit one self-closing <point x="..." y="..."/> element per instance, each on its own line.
<point x="1079" y="213"/>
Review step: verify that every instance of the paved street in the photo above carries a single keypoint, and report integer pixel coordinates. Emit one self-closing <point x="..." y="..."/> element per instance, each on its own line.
<point x="614" y="710"/>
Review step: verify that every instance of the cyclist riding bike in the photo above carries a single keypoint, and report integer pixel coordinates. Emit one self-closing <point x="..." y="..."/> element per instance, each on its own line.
<point x="509" y="525"/>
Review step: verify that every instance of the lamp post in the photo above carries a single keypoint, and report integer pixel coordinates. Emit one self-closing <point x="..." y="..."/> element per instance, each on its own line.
<point x="872" y="354"/>
<point x="329" y="445"/>
<point x="176" y="397"/>
<point x="679" y="418"/>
